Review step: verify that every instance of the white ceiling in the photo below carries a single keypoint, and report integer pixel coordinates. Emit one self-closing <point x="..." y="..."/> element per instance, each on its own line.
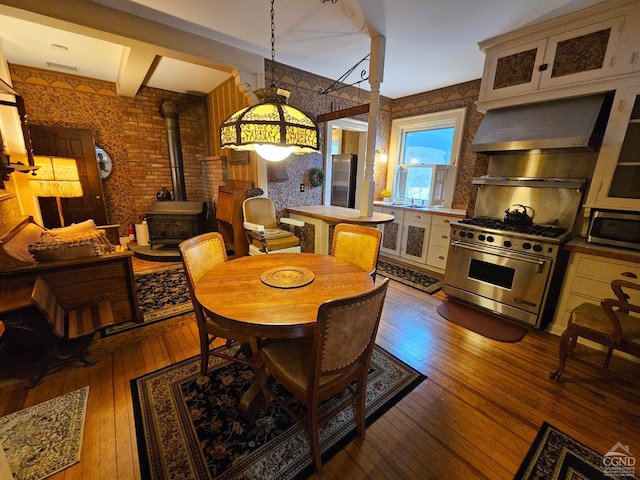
<point x="429" y="43"/>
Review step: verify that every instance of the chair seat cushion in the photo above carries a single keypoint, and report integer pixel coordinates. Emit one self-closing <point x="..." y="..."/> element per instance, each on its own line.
<point x="293" y="357"/>
<point x="277" y="239"/>
<point x="277" y="233"/>
<point x="593" y="317"/>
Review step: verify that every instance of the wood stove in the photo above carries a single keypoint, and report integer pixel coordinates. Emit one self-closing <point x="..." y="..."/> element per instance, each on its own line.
<point x="172" y="221"/>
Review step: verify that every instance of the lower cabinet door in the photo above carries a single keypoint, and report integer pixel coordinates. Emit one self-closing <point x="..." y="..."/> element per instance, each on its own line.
<point x="415" y="241"/>
<point x="391" y="237"/>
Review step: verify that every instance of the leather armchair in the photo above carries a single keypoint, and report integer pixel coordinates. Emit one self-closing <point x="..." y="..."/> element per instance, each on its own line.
<point x="265" y="233"/>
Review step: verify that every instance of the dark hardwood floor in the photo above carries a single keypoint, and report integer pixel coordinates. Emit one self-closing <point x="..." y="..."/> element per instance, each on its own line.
<point x="474" y="417"/>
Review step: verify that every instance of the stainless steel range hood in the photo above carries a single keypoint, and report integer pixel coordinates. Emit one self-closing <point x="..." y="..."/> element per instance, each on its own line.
<point x="574" y="123"/>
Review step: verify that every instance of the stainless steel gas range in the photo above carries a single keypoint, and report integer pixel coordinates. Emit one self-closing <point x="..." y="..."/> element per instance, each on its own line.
<point x="506" y="261"/>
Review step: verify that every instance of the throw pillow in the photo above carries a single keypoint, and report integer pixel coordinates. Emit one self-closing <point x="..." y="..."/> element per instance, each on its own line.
<point x="54" y="247"/>
<point x="73" y="229"/>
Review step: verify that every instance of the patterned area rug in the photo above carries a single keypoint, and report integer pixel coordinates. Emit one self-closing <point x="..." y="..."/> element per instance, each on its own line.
<point x="46" y="438"/>
<point x="162" y="294"/>
<point x="189" y="427"/>
<point x="429" y="283"/>
<point x="554" y="455"/>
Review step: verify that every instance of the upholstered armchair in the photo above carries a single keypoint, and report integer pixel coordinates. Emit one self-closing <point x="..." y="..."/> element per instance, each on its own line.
<point x="265" y="233"/>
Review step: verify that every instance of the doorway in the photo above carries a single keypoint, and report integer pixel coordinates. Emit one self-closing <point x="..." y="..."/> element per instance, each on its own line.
<point x="76" y="143"/>
<point x="345" y="136"/>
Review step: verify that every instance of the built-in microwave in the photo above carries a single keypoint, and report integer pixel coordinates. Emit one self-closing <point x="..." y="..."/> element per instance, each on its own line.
<point x="619" y="229"/>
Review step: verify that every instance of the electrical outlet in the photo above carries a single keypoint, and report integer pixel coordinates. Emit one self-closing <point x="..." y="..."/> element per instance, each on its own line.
<point x="302" y="187"/>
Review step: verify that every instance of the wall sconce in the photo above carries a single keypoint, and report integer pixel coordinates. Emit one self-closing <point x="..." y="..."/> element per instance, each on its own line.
<point x="381" y="157"/>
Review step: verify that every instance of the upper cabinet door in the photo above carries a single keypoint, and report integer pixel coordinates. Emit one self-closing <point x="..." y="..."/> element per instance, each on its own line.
<point x="513" y="70"/>
<point x="582" y="54"/>
<point x="579" y="56"/>
<point x="618" y="164"/>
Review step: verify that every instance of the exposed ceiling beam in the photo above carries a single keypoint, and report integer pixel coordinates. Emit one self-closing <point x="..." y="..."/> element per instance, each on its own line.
<point x="134" y="67"/>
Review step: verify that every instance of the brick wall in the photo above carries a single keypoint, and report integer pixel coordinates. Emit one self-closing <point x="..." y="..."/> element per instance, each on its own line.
<point x="131" y="130"/>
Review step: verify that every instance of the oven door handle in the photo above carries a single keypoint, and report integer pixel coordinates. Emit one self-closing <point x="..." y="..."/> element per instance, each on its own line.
<point x="539" y="263"/>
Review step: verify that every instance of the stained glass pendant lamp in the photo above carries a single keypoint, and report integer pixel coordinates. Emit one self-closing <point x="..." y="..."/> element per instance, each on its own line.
<point x="272" y="128"/>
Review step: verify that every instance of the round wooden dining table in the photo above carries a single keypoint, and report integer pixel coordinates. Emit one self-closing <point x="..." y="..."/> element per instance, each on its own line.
<point x="277" y="295"/>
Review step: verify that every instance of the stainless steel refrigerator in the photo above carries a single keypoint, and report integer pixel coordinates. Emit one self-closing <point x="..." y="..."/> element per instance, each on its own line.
<point x="343" y="180"/>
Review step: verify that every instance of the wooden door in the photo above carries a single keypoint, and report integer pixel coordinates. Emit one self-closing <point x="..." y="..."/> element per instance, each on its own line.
<point x="78" y="144"/>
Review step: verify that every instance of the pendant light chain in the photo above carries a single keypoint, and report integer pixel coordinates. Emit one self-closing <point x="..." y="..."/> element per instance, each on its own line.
<point x="273" y="44"/>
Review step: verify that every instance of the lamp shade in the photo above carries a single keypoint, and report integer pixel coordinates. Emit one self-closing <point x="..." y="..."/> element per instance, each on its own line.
<point x="56" y="177"/>
<point x="272" y="123"/>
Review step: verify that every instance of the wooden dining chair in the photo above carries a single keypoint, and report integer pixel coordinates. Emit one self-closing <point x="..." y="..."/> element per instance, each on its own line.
<point x="357" y="244"/>
<point x="316" y="368"/>
<point x="74" y="328"/>
<point x="609" y="324"/>
<point x="199" y="255"/>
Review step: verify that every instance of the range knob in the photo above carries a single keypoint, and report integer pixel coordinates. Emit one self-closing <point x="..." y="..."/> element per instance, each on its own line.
<point x="526" y="245"/>
<point x="507" y="243"/>
<point x="470" y="235"/>
<point x="481" y="236"/>
<point x="463" y="233"/>
<point x="537" y="247"/>
<point x="490" y="239"/>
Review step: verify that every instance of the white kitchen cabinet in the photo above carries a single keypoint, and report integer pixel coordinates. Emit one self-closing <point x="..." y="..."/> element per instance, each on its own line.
<point x="581" y="53"/>
<point x="415" y="236"/>
<point x="588" y="279"/>
<point x="439" y="242"/>
<point x="618" y="165"/>
<point x="577" y="55"/>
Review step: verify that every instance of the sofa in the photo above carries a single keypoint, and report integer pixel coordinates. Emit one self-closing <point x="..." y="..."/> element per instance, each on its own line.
<point x="78" y="262"/>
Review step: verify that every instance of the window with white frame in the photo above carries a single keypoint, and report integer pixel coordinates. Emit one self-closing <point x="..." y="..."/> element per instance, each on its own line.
<point x="425" y="152"/>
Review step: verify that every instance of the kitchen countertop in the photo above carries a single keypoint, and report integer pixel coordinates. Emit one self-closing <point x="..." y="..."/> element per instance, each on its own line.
<point x="434" y="210"/>
<point x="580" y="244"/>
<point x="335" y="214"/>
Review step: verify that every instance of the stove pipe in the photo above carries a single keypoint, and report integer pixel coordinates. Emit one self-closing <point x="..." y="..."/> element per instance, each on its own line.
<point x="170" y="113"/>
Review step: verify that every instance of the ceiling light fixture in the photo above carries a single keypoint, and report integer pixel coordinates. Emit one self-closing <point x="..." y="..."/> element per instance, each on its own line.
<point x="272" y="128"/>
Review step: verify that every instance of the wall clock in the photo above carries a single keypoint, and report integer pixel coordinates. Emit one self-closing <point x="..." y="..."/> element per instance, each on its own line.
<point x="105" y="166"/>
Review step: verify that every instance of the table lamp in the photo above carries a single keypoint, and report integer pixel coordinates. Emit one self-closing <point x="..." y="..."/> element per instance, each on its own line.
<point x="57" y="177"/>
